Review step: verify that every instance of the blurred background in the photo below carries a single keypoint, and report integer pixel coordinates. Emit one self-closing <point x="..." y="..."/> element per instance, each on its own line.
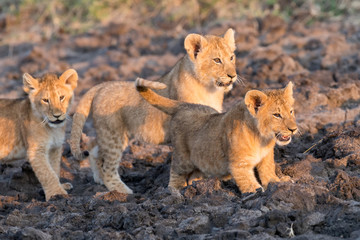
<point x="51" y="18"/>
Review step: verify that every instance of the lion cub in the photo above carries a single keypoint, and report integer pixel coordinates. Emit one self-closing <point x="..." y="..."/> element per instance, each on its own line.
<point x="34" y="127"/>
<point x="235" y="142"/>
<point x="202" y="76"/>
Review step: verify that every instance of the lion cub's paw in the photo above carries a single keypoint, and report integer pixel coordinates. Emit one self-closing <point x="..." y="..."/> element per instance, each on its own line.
<point x="286" y="179"/>
<point x="251" y="188"/>
<point x="176" y="194"/>
<point x="51" y="194"/>
<point x="174" y="191"/>
<point x="125" y="189"/>
<point x="67" y="186"/>
<point x="57" y="197"/>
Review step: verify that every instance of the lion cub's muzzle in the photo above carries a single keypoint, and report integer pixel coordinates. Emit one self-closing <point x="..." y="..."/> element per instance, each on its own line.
<point x="226" y="81"/>
<point x="284" y="139"/>
<point x="57" y="120"/>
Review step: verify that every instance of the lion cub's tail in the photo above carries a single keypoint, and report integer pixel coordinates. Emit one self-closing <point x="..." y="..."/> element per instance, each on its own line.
<point x="167" y="105"/>
<point x="79" y="118"/>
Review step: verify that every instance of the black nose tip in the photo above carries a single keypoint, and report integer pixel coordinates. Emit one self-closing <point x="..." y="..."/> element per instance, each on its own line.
<point x="231" y="76"/>
<point x="292" y="129"/>
<point x="56" y="115"/>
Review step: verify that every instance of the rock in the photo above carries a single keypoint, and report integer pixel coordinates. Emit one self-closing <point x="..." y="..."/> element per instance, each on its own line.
<point x="32" y="233"/>
<point x="315" y="218"/>
<point x="195" y="225"/>
<point x="234" y="234"/>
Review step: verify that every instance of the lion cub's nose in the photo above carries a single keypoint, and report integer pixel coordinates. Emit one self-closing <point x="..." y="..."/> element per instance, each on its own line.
<point x="292" y="129"/>
<point x="231" y="76"/>
<point x="57" y="115"/>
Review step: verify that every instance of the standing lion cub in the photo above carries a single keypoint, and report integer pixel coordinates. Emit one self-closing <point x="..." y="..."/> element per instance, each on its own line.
<point x="235" y="142"/>
<point x="202" y="76"/>
<point x="34" y="127"/>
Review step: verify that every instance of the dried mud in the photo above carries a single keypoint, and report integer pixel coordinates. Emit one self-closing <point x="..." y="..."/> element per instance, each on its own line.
<point x="322" y="202"/>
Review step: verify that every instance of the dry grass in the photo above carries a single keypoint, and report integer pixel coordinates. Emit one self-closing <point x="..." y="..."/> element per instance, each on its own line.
<point x="47" y="19"/>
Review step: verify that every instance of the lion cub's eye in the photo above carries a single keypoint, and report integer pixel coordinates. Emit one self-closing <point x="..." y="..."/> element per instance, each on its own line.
<point x="291" y="112"/>
<point x="62" y="98"/>
<point x="217" y="60"/>
<point x="232" y="58"/>
<point x="45" y="100"/>
<point x="277" y="115"/>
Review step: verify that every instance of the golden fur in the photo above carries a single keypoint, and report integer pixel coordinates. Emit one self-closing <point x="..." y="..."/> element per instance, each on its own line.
<point x="34" y="127"/>
<point x="235" y="142"/>
<point x="203" y="75"/>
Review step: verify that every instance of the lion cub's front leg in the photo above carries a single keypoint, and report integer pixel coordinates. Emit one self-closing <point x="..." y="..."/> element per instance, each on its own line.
<point x="242" y="171"/>
<point x="44" y="171"/>
<point x="55" y="162"/>
<point x="266" y="170"/>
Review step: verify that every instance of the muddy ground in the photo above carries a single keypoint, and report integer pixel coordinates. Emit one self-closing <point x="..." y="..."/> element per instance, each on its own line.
<point x="323" y="202"/>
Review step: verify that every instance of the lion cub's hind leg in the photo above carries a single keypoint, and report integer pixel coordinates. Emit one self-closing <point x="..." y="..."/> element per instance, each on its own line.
<point x="177" y="181"/>
<point x="111" y="146"/>
<point x="181" y="169"/>
<point x="96" y="165"/>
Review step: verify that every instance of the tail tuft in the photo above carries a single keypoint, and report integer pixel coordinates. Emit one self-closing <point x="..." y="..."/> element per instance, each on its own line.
<point x="141" y="84"/>
<point x="144" y="87"/>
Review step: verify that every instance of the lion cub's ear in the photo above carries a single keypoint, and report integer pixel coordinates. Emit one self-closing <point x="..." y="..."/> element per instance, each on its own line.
<point x="254" y="100"/>
<point x="193" y="44"/>
<point x="230" y="39"/>
<point x="288" y="92"/>
<point x="70" y="77"/>
<point x="29" y="83"/>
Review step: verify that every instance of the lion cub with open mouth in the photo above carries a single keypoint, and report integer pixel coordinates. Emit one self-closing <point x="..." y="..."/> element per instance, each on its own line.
<point x="34" y="127"/>
<point x="235" y="142"/>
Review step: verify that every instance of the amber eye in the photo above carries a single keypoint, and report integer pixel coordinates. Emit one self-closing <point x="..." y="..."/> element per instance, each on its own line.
<point x="232" y="58"/>
<point x="45" y="100"/>
<point x="291" y="112"/>
<point x="277" y="115"/>
<point x="62" y="98"/>
<point x="217" y="60"/>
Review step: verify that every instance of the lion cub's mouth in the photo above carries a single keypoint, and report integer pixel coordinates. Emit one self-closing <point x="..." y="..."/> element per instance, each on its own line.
<point x="57" y="121"/>
<point x="283" y="138"/>
<point x="221" y="84"/>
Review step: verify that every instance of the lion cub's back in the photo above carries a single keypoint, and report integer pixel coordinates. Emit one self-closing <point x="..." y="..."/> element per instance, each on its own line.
<point x="121" y="107"/>
<point x="113" y="96"/>
<point x="190" y="118"/>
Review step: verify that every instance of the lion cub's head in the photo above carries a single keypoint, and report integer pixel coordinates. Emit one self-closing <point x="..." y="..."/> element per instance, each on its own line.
<point x="274" y="111"/>
<point x="51" y="96"/>
<point x="213" y="58"/>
